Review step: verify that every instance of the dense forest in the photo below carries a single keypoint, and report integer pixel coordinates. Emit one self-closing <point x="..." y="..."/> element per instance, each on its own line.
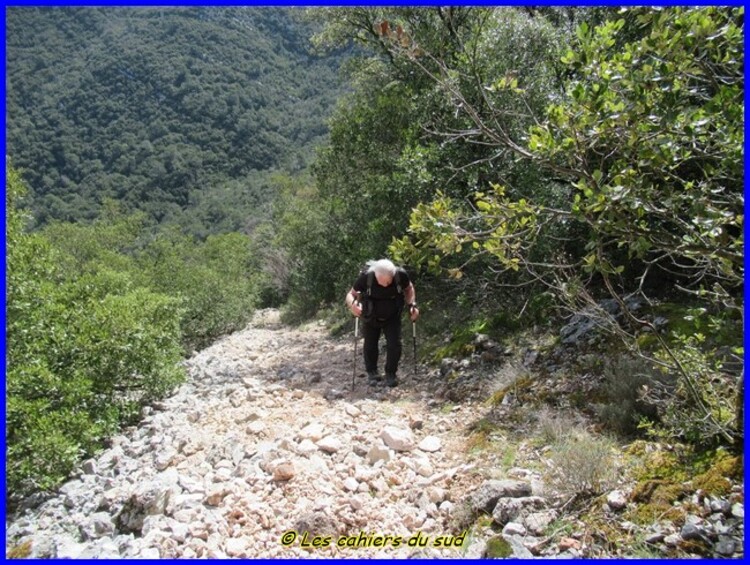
<point x="181" y="113"/>
<point x="525" y="164"/>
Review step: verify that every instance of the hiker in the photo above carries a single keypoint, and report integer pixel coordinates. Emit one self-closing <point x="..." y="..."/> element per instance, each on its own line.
<point x="378" y="297"/>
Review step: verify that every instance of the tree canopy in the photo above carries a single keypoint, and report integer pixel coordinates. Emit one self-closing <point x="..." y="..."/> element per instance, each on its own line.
<point x="162" y="109"/>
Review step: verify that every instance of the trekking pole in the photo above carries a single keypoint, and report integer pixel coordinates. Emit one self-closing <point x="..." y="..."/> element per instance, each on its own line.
<point x="354" y="365"/>
<point x="414" y="338"/>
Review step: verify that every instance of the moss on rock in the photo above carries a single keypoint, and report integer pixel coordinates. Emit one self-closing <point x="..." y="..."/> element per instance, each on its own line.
<point x="717" y="480"/>
<point x="498" y="548"/>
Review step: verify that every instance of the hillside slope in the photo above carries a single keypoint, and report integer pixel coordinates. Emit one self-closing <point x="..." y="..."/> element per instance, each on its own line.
<point x="163" y="109"/>
<point x="268" y="437"/>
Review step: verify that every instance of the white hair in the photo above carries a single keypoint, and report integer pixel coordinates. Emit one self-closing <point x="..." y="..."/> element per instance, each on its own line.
<point x="381" y="267"/>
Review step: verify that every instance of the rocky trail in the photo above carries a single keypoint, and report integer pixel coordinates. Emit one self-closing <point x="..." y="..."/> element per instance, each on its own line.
<point x="266" y="451"/>
<point x="267" y="437"/>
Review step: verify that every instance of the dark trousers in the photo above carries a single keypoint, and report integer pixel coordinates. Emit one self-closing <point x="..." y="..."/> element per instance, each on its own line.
<point x="371" y="332"/>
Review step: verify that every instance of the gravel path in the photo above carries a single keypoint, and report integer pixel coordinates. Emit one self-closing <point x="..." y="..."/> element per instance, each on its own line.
<point x="267" y="438"/>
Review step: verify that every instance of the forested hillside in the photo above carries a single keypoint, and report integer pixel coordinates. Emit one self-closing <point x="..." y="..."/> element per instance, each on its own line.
<point x="166" y="110"/>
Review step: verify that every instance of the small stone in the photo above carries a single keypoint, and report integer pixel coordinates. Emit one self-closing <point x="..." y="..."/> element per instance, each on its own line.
<point x="537" y="522"/>
<point x="395" y="479"/>
<point x="654" y="538"/>
<point x="313" y="432"/>
<point x="306" y="446"/>
<point x="100" y="524"/>
<point x="514" y="529"/>
<point x="694" y="520"/>
<point x="512" y="509"/>
<point x="235" y="547"/>
<point x="215" y="495"/>
<point x="67" y="547"/>
<point x="424" y="469"/>
<point x="413" y="522"/>
<point x="720" y="505"/>
<point x="485" y="497"/>
<point x="726" y="547"/>
<point x="617" y="500"/>
<point x="629" y="527"/>
<point x="672" y="540"/>
<point x="430" y="444"/>
<point x="351" y="484"/>
<point x="179" y="532"/>
<point x="222" y="475"/>
<point x="436" y="495"/>
<point x="89" y="467"/>
<point x="283" y="471"/>
<point x="359" y="450"/>
<point x="569" y="543"/>
<point x="253" y="416"/>
<point x="692" y="532"/>
<point x="255" y="427"/>
<point x="398" y="439"/>
<point x="378" y="452"/>
<point x="329" y="444"/>
<point x="446" y="507"/>
<point x="165" y="458"/>
<point x="150" y="553"/>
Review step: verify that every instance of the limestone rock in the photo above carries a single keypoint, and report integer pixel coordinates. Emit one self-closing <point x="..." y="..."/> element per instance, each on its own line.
<point x="511" y="509"/>
<point x="378" y="452"/>
<point x="237" y="547"/>
<point x="485" y="497"/>
<point x="329" y="444"/>
<point x="617" y="500"/>
<point x="314" y="432"/>
<point x="351" y="484"/>
<point x="283" y="471"/>
<point x="430" y="444"/>
<point x="398" y="439"/>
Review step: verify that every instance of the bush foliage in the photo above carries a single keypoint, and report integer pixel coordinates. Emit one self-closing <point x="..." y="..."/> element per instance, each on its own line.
<point x="98" y="317"/>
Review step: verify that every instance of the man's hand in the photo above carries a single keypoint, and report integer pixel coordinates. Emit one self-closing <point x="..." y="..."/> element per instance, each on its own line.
<point x="356" y="308"/>
<point x="413" y="312"/>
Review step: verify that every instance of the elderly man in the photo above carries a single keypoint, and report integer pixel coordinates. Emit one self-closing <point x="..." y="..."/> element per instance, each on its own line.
<point x="378" y="297"/>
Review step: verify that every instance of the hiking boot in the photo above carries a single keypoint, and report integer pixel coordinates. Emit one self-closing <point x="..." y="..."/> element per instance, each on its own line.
<point x="390" y="379"/>
<point x="373" y="378"/>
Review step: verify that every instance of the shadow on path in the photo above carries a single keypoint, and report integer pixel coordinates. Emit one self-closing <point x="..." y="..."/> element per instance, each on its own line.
<point x="307" y="358"/>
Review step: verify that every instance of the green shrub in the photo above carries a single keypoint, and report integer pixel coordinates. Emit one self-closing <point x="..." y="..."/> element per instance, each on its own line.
<point x="46" y="440"/>
<point x="553" y="427"/>
<point x="129" y="345"/>
<point x="582" y="464"/>
<point x="84" y="371"/>
<point x="213" y="280"/>
<point x="626" y="382"/>
<point x="704" y="408"/>
<point x="86" y="348"/>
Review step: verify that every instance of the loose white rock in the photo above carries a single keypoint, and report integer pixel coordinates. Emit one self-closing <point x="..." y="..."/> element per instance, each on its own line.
<point x="329" y="444"/>
<point x="398" y="439"/>
<point x="430" y="444"/>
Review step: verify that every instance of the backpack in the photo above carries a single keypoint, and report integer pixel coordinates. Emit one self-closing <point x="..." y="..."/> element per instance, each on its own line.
<point x="368" y="306"/>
